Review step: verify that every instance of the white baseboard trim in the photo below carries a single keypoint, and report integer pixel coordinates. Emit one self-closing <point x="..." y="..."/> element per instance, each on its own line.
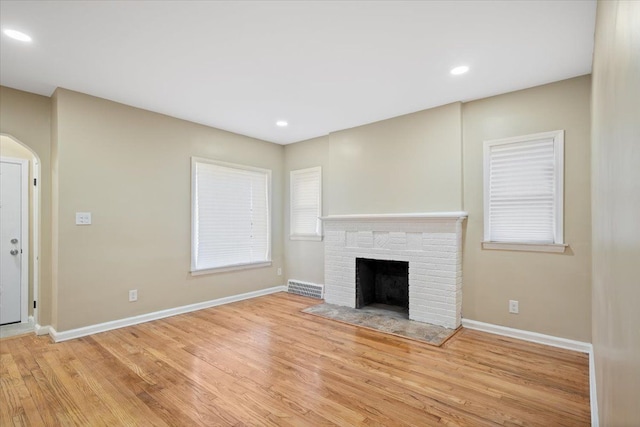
<point x="129" y="321"/>
<point x="42" y="330"/>
<point x="582" y="347"/>
<point x="565" y="343"/>
<point x="593" y="395"/>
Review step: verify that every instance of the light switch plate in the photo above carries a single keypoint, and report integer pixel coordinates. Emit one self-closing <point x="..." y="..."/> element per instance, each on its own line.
<point x="83" y="218"/>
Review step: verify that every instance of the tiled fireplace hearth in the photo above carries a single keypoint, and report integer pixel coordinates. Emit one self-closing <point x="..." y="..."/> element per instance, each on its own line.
<point x="430" y="242"/>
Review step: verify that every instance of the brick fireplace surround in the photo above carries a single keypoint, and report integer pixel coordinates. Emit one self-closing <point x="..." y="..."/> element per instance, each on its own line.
<point x="430" y="242"/>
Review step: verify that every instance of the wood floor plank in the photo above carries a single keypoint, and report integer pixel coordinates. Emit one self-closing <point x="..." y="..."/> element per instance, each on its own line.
<point x="264" y="362"/>
<point x="347" y="374"/>
<point x="474" y="388"/>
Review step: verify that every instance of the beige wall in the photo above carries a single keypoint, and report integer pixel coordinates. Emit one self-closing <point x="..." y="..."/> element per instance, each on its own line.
<point x="410" y="163"/>
<point x="553" y="290"/>
<point x="11" y="148"/>
<point x="131" y="169"/>
<point x="616" y="205"/>
<point x="26" y="117"/>
<point x="413" y="163"/>
<point x="54" y="210"/>
<point x="305" y="259"/>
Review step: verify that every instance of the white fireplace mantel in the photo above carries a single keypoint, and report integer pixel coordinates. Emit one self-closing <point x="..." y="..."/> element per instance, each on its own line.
<point x="398" y="216"/>
<point x="431" y="242"/>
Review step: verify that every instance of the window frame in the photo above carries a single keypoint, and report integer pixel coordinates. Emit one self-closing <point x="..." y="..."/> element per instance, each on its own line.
<point x="310" y="237"/>
<point x="558" y="244"/>
<point x="268" y="262"/>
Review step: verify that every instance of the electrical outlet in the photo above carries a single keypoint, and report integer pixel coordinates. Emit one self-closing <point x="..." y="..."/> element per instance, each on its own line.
<point x="83" y="218"/>
<point x="513" y="306"/>
<point x="133" y="295"/>
<point x="279" y="271"/>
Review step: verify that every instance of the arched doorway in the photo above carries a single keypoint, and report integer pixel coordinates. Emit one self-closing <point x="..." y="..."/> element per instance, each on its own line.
<point x="20" y="236"/>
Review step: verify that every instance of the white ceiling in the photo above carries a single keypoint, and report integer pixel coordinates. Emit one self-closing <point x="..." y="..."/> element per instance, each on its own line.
<point x="322" y="66"/>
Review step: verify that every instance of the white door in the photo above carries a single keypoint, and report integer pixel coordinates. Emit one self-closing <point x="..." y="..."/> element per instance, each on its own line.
<point x="12" y="175"/>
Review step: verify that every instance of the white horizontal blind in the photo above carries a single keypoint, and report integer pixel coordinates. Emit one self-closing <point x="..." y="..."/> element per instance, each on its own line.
<point x="231" y="223"/>
<point x="522" y="191"/>
<point x="306" y="198"/>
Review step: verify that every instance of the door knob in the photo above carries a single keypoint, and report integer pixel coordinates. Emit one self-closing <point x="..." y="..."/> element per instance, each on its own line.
<point x="14" y="252"/>
<point x="14" y="240"/>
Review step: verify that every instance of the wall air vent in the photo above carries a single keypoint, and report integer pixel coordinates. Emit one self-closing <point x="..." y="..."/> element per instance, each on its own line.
<point x="305" y="289"/>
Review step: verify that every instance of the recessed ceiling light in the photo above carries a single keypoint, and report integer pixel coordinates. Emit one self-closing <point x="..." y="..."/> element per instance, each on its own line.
<point x="282" y="123"/>
<point x="17" y="35"/>
<point x="459" y="70"/>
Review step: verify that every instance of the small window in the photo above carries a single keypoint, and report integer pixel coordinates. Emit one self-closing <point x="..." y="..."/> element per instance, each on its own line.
<point x="306" y="204"/>
<point x="231" y="216"/>
<point x="523" y="192"/>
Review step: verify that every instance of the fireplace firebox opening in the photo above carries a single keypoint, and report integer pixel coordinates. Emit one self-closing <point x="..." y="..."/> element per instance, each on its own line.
<point x="382" y="284"/>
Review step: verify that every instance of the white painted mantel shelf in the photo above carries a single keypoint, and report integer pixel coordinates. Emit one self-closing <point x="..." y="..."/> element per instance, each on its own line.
<point x="430" y="242"/>
<point x="398" y="216"/>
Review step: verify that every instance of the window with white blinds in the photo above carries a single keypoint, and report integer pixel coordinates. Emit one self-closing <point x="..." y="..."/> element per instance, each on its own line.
<point x="306" y="204"/>
<point x="231" y="224"/>
<point x="523" y="189"/>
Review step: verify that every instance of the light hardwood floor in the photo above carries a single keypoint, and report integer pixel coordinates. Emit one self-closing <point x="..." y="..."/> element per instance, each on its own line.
<point x="263" y="362"/>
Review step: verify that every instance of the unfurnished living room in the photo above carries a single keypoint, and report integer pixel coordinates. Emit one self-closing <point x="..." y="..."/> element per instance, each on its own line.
<point x="305" y="213"/>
